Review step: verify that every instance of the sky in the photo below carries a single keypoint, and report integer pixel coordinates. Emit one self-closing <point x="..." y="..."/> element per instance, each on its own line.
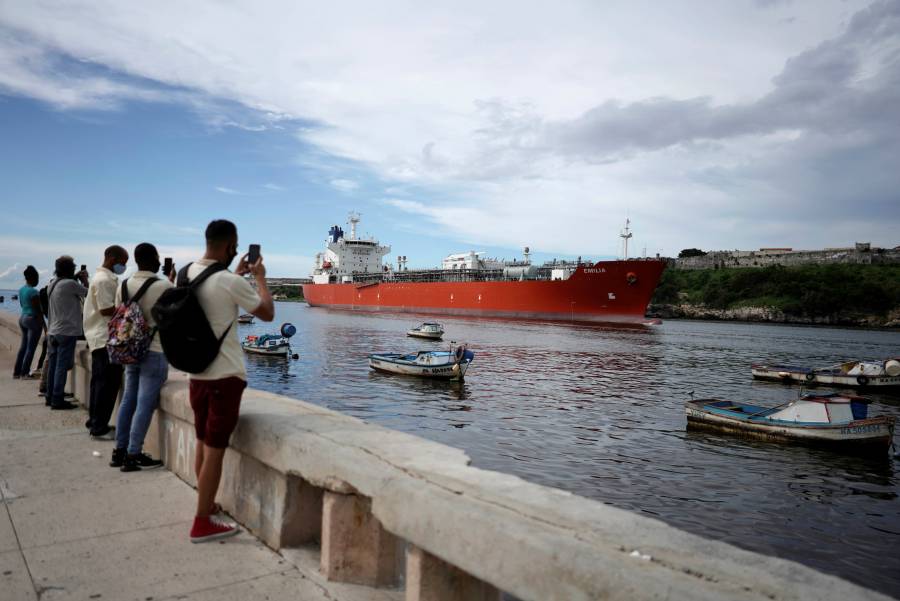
<point x="450" y="126"/>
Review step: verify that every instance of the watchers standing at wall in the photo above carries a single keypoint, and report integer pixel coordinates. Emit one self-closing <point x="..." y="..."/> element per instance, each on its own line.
<point x="216" y="392"/>
<point x="65" y="295"/>
<point x="143" y="380"/>
<point x="75" y="308"/>
<point x="99" y="306"/>
<point x="31" y="323"/>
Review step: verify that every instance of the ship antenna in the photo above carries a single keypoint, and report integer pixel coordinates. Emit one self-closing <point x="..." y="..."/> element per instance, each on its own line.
<point x="353" y="219"/>
<point x="625" y="235"/>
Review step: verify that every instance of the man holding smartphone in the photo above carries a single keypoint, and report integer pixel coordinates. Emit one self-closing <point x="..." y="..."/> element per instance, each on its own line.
<point x="216" y="392"/>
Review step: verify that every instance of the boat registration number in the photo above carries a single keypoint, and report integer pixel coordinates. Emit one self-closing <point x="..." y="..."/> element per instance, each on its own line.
<point x="440" y="370"/>
<point x="860" y="429"/>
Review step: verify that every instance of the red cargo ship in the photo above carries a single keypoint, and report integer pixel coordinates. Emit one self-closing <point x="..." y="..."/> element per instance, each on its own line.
<point x="350" y="275"/>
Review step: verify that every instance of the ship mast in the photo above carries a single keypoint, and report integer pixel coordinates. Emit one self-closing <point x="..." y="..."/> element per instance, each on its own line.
<point x="625" y="235"/>
<point x="353" y="219"/>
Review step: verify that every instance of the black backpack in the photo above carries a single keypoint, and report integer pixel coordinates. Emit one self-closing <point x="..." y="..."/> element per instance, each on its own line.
<point x="184" y="331"/>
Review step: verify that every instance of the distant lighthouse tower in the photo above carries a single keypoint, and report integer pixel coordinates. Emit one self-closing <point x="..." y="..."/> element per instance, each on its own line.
<point x="625" y="235"/>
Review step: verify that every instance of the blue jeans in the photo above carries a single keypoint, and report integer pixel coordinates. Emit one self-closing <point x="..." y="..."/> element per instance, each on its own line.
<point x="139" y="400"/>
<point x="62" y="357"/>
<point x="31" y="328"/>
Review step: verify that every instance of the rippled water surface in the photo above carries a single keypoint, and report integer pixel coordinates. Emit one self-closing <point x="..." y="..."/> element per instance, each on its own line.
<point x="599" y="411"/>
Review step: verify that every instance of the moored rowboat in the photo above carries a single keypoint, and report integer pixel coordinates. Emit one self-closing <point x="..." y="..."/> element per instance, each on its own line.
<point x="428" y="330"/>
<point x="267" y="344"/>
<point x="274" y="345"/>
<point x="447" y="365"/>
<point x="854" y="374"/>
<point x="829" y="419"/>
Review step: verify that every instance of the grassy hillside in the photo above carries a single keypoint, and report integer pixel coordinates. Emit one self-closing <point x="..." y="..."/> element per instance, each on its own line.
<point x="809" y="290"/>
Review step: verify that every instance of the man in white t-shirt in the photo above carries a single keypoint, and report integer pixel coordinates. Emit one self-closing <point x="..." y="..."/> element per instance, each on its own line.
<point x="216" y="392"/>
<point x="99" y="306"/>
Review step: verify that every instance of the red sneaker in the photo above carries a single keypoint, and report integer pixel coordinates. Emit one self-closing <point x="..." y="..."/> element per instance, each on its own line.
<point x="210" y="528"/>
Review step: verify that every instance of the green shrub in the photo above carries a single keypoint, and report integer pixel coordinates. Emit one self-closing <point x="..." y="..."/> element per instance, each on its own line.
<point x="808" y="290"/>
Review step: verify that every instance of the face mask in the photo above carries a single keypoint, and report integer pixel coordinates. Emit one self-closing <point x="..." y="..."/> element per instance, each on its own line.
<point x="232" y="253"/>
<point x="118" y="269"/>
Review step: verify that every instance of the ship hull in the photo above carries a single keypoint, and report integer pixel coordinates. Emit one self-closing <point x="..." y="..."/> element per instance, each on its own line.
<point x="608" y="291"/>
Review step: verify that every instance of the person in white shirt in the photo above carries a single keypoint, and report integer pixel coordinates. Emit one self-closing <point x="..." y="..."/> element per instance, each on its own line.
<point x="143" y="380"/>
<point x="215" y="393"/>
<point x="99" y="306"/>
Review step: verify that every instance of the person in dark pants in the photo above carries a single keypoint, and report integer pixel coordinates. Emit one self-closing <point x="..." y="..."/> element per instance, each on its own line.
<point x="99" y="307"/>
<point x="65" y="294"/>
<point x="31" y="322"/>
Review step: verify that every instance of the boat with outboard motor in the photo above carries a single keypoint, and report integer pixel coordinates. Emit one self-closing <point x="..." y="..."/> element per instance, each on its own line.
<point x="854" y="374"/>
<point x="273" y="345"/>
<point x="447" y="365"/>
<point x="828" y="419"/>
<point x="245" y="318"/>
<point x="429" y="330"/>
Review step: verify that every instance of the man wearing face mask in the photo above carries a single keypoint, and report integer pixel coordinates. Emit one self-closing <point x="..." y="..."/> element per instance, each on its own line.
<point x="143" y="380"/>
<point x="99" y="307"/>
<point x="216" y="392"/>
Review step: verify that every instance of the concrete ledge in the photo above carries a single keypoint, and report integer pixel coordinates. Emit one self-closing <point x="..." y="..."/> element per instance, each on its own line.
<point x="298" y="474"/>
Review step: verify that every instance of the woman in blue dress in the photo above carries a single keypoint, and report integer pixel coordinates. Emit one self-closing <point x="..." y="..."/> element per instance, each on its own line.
<point x="31" y="322"/>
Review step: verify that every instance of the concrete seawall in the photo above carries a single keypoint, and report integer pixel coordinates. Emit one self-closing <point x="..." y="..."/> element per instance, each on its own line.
<point x="412" y="518"/>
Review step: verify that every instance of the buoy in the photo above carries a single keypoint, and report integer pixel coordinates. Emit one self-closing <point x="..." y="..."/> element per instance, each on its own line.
<point x="288" y="330"/>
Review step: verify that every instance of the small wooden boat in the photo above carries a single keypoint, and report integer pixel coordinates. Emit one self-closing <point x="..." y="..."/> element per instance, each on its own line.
<point x="267" y="344"/>
<point x="273" y="345"/>
<point x="855" y="374"/>
<point x="828" y="419"/>
<point x="245" y="318"/>
<point x="429" y="330"/>
<point x="448" y="365"/>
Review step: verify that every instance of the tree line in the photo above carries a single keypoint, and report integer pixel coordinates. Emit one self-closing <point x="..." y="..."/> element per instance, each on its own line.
<point x="806" y="290"/>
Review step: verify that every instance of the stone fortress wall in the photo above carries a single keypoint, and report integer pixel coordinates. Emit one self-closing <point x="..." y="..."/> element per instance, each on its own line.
<point x="862" y="253"/>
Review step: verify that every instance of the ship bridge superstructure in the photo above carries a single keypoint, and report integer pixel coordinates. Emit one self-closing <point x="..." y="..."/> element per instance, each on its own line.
<point x="347" y="256"/>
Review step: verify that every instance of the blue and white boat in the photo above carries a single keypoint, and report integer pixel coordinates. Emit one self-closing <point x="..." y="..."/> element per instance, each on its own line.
<point x="447" y="365"/>
<point x="273" y="345"/>
<point x="830" y="419"/>
<point x="429" y="330"/>
<point x="854" y="374"/>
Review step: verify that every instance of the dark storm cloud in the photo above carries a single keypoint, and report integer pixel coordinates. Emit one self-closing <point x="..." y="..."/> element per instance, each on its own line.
<point x="843" y="86"/>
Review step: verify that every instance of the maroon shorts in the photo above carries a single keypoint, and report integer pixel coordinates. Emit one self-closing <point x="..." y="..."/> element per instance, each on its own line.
<point x="216" y="404"/>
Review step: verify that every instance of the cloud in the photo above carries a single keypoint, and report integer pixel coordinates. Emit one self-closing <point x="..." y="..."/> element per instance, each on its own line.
<point x="14" y="269"/>
<point x="274" y="187"/>
<point x="729" y="129"/>
<point x="90" y="252"/>
<point x="225" y="190"/>
<point x="344" y="185"/>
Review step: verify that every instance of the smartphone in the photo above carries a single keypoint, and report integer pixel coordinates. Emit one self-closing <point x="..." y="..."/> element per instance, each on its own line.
<point x="253" y="254"/>
<point x="84" y="268"/>
<point x="167" y="266"/>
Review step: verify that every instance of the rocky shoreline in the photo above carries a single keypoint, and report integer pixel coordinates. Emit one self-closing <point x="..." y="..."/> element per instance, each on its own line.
<point x="771" y="315"/>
